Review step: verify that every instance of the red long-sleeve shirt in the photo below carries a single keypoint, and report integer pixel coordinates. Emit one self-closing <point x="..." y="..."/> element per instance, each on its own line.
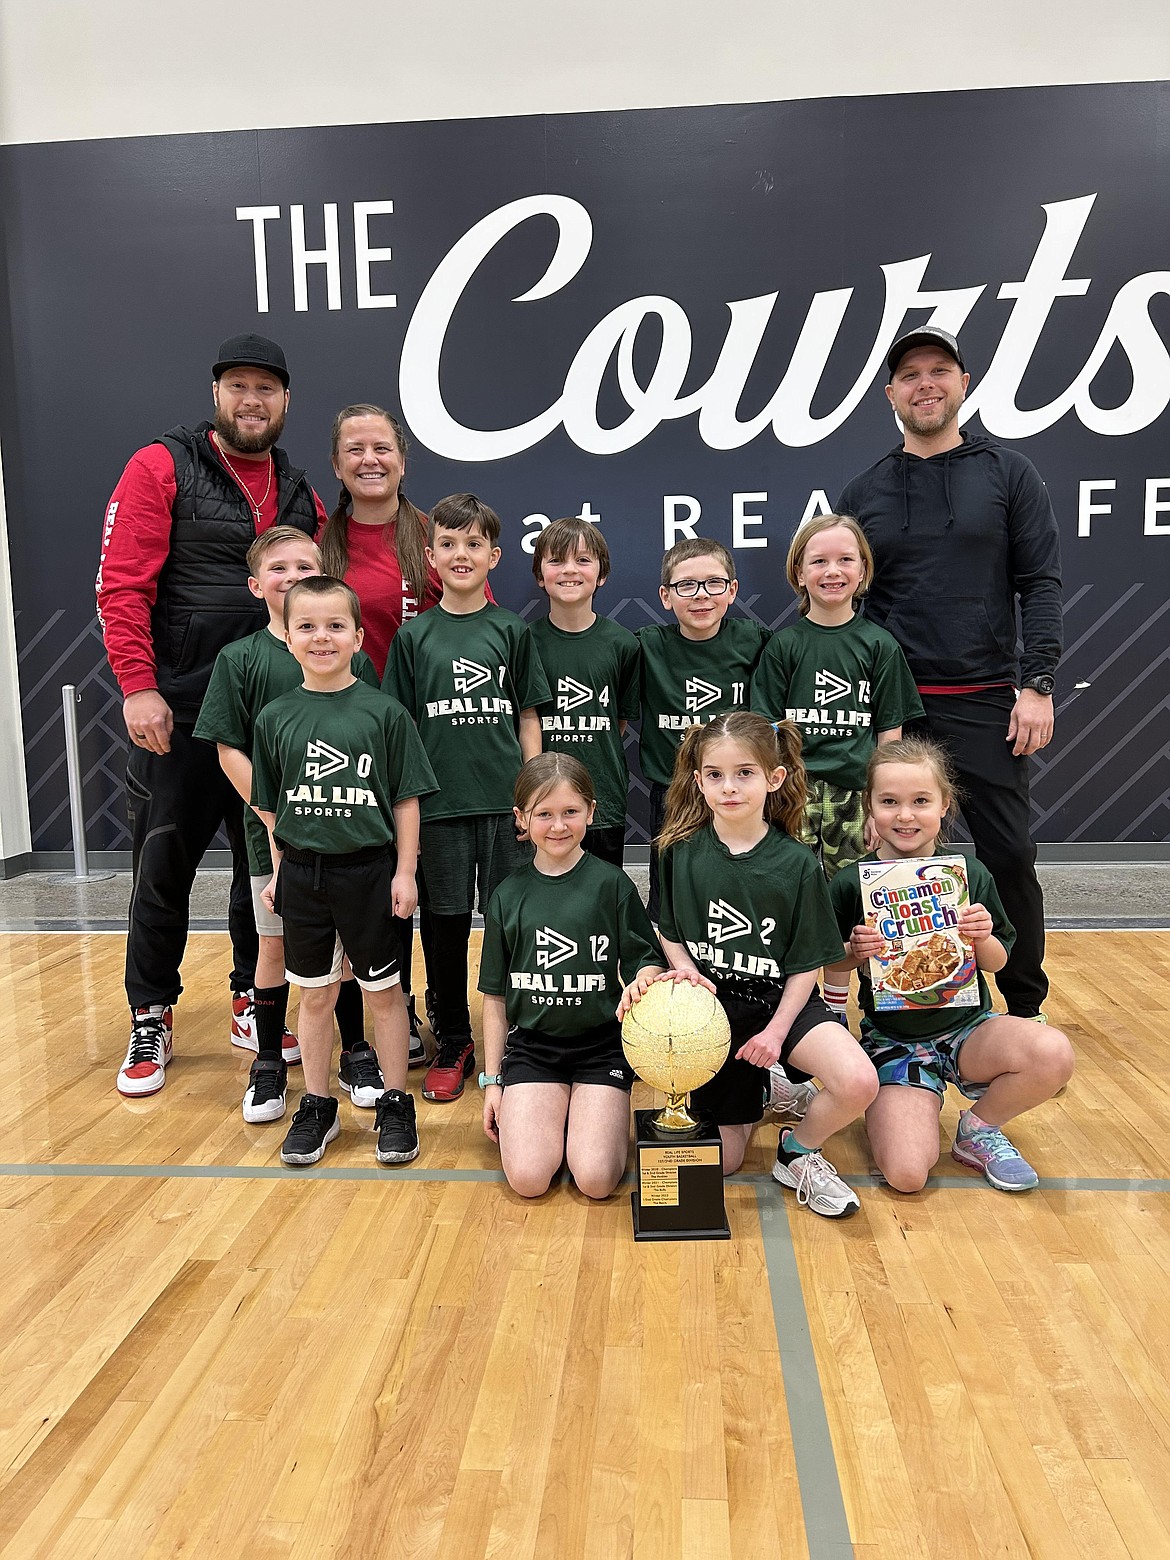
<point x="136" y="539"/>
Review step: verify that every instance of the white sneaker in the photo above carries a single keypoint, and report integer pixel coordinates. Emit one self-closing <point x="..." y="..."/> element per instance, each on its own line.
<point x="145" y="1069"/>
<point x="816" y="1184"/>
<point x="789" y="1100"/>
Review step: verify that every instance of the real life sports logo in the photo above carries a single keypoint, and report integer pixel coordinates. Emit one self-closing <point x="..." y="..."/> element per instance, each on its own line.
<point x="469" y="675"/>
<point x="830" y="688"/>
<point x="321" y="760"/>
<point x="552" y="948"/>
<point x="571" y="693"/>
<point x="700" y="694"/>
<point x="724" y="922"/>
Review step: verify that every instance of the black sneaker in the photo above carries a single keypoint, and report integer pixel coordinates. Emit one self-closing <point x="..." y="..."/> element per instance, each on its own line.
<point x="416" y="1053"/>
<point x="314" y="1125"/>
<point x="267" y="1081"/>
<point x="397" y="1133"/>
<point x="361" y="1077"/>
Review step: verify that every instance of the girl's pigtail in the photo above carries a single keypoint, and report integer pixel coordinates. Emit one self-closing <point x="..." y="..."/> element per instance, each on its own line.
<point x="686" y="809"/>
<point x="786" y="806"/>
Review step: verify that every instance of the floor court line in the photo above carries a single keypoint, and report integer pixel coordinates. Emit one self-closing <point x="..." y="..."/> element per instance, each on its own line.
<point x="825" y="1523"/>
<point x="762" y="1182"/>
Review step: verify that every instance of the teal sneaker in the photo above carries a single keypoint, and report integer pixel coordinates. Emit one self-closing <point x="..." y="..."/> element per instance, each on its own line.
<point x="990" y="1151"/>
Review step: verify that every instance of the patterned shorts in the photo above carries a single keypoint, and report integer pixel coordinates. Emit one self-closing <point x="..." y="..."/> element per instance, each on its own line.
<point x="834" y="825"/>
<point x="923" y="1064"/>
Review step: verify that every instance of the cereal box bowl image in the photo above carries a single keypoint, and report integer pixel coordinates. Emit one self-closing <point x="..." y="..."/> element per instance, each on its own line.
<point x="676" y="1037"/>
<point x="925" y="966"/>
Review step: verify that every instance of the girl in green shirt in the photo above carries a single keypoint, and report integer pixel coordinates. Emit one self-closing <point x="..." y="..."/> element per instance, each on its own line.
<point x="565" y="939"/>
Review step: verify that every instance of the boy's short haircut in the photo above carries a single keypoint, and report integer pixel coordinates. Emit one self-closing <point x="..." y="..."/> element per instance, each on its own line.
<point x="562" y="537"/>
<point x="695" y="547"/>
<point x="276" y="536"/>
<point x="462" y="512"/>
<point x="323" y="585"/>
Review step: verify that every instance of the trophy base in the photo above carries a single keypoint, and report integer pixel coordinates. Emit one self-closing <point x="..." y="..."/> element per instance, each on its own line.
<point x="678" y="1182"/>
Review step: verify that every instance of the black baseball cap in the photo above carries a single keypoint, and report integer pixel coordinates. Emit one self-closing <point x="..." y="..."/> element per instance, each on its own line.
<point x="924" y="336"/>
<point x="251" y="352"/>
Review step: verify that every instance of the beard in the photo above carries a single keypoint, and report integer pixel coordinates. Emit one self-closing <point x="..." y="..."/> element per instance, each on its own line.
<point x="932" y="422"/>
<point x="231" y="434"/>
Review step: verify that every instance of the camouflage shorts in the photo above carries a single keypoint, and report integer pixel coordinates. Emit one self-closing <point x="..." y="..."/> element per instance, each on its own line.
<point x="834" y="825"/>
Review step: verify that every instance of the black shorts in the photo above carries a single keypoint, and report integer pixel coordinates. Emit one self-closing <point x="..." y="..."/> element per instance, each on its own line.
<point x="738" y="1092"/>
<point x="607" y="844"/>
<point x="595" y="1056"/>
<point x="330" y="905"/>
<point x="457" y="853"/>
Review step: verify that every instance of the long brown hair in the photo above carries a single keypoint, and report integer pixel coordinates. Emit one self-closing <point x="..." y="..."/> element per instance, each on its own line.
<point x="405" y="535"/>
<point x="772" y="747"/>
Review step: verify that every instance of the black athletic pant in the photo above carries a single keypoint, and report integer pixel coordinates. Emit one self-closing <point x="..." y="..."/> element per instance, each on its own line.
<point x="995" y="803"/>
<point x="657" y="814"/>
<point x="607" y="844"/>
<point x="176" y="802"/>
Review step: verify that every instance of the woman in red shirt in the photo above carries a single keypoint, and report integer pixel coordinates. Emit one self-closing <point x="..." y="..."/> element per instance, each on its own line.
<point x="375" y="539"/>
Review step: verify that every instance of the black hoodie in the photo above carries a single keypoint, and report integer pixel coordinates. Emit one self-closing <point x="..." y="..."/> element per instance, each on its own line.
<point x="956" y="538"/>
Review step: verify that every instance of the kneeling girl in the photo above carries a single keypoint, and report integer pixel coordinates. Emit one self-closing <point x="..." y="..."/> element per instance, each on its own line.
<point x="744" y="904"/>
<point x="560" y="937"/>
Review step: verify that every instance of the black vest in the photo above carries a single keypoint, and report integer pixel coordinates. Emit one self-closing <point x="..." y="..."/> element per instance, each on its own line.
<point x="203" y="598"/>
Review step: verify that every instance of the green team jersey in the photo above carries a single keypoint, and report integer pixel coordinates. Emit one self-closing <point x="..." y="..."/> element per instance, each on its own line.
<point x="759" y="916"/>
<point x="465" y="678"/>
<point x="332" y="765"/>
<point x="560" y="949"/>
<point x="840" y="686"/>
<point x="593" y="681"/>
<point x="927" y="1023"/>
<point x="687" y="682"/>
<point x="246" y="676"/>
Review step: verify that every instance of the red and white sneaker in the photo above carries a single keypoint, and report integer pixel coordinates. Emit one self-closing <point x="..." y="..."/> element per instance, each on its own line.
<point x="244" y="1030"/>
<point x="244" y="1021"/>
<point x="145" y="1069"/>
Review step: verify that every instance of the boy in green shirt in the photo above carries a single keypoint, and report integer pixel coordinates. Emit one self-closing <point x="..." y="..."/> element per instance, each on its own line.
<point x="592" y="668"/>
<point x="693" y="669"/>
<point x="337" y="773"/>
<point x="247" y="675"/>
<point x="469" y="674"/>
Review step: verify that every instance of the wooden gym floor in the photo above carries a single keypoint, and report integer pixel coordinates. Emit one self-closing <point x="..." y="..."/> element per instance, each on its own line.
<point x="203" y="1353"/>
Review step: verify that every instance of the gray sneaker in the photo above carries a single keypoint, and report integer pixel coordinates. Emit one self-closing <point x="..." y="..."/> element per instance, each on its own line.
<point x="816" y="1184"/>
<point x="1001" y="1162"/>
<point x="789" y="1100"/>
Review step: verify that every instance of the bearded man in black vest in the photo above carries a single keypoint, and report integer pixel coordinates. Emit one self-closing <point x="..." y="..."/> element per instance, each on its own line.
<point x="172" y="591"/>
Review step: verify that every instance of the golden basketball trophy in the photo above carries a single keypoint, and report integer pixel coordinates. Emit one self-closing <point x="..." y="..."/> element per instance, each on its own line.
<point x="676" y="1038"/>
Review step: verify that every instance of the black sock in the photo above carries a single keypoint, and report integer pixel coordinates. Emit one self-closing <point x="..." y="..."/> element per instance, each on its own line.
<point x="350" y="1015"/>
<point x="450" y="935"/>
<point x="271" y="1012"/>
<point x="405" y="925"/>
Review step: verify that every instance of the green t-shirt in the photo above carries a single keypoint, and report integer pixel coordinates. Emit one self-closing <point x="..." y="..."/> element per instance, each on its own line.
<point x="687" y="682"/>
<point x="560" y="949"/>
<point x="332" y="765"/>
<point x="757" y="917"/>
<point x="930" y="1022"/>
<point x="465" y="679"/>
<point x="247" y="675"/>
<point x="840" y="686"/>
<point x="593" y="679"/>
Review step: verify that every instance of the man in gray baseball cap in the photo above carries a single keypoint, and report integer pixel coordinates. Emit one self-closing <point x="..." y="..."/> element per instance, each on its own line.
<point x="967" y="559"/>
